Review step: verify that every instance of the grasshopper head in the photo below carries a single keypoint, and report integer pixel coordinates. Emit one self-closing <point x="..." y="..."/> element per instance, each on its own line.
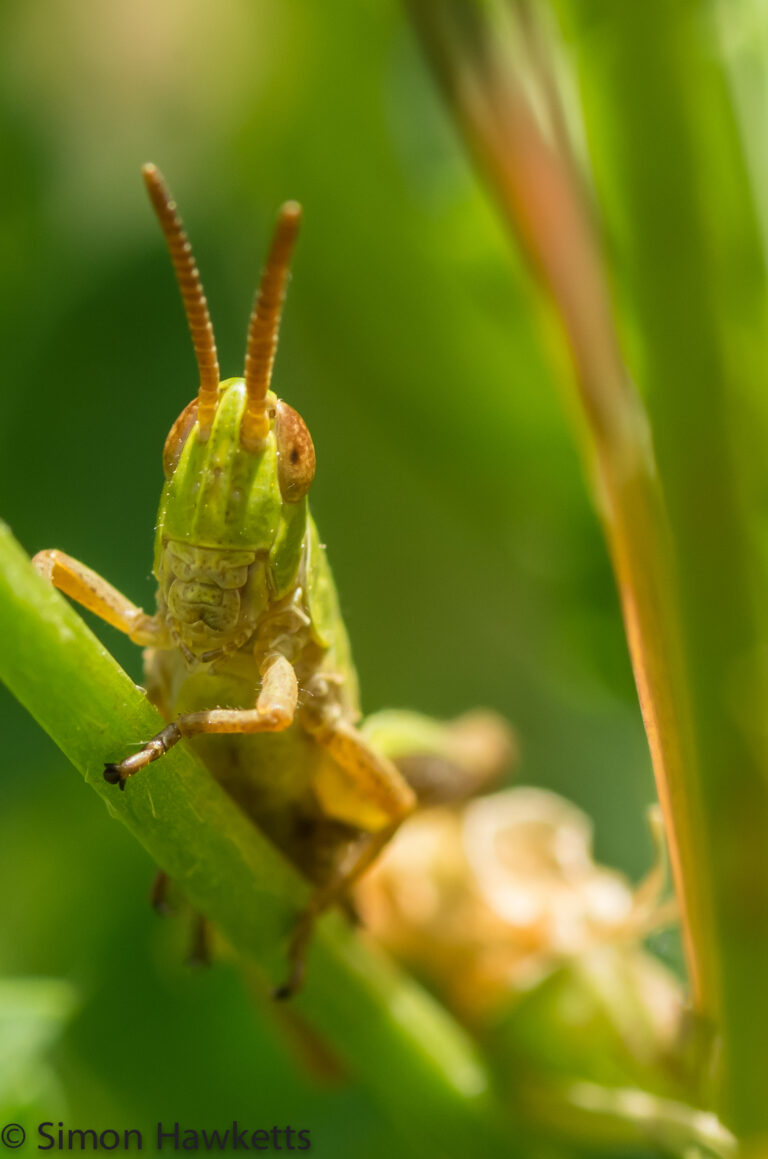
<point x="238" y="462"/>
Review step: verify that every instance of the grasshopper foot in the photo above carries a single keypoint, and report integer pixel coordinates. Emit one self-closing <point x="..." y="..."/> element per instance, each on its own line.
<point x="300" y="944"/>
<point x="295" y="979"/>
<point x="302" y="936"/>
<point x="290" y="988"/>
<point x="199" y="955"/>
<point x="158" y="895"/>
<point x="118" y="774"/>
<point x="351" y="912"/>
<point x="113" y="776"/>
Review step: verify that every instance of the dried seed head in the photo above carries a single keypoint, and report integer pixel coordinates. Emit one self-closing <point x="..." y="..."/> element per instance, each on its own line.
<point x="488" y="898"/>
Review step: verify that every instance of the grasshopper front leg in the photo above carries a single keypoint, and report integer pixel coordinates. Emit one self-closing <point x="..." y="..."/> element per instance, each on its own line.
<point x="274" y="711"/>
<point x="93" y="592"/>
<point x="357" y="785"/>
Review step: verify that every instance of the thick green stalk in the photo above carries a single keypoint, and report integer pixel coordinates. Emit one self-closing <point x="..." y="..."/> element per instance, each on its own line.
<point x="541" y="194"/>
<point x="669" y="164"/>
<point x="418" y="1063"/>
<point x="668" y="160"/>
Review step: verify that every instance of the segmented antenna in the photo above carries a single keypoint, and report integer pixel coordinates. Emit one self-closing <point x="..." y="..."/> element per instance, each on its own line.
<point x="264" y="325"/>
<point x="192" y="295"/>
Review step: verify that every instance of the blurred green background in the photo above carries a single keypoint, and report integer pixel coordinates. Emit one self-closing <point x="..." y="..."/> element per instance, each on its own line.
<point x="449" y="491"/>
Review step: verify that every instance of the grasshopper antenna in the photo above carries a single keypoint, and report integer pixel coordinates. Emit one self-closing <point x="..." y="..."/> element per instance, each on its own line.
<point x="264" y="325"/>
<point x="192" y="295"/>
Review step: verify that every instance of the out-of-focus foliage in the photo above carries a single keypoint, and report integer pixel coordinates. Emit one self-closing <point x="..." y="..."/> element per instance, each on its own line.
<point x="33" y="1013"/>
<point x="469" y="562"/>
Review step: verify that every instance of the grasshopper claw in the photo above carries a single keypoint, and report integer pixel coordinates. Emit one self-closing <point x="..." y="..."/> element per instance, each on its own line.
<point x="282" y="993"/>
<point x="158" y="896"/>
<point x="294" y="982"/>
<point x="113" y="776"/>
<point x="199" y="955"/>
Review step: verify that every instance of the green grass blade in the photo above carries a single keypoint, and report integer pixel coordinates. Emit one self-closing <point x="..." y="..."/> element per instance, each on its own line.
<point x="479" y="57"/>
<point x="671" y="179"/>
<point x="671" y="174"/>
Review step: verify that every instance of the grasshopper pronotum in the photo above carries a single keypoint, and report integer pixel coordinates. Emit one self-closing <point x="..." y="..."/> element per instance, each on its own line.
<point x="248" y="618"/>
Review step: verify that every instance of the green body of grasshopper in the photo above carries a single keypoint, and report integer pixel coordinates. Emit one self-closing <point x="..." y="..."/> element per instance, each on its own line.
<point x="247" y="654"/>
<point x="242" y="576"/>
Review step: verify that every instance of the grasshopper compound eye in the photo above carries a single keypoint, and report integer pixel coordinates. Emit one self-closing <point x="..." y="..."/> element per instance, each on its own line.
<point x="177" y="437"/>
<point x="295" y="454"/>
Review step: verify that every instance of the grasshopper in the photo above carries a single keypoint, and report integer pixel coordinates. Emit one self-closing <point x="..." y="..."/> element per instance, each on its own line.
<point x="248" y="619"/>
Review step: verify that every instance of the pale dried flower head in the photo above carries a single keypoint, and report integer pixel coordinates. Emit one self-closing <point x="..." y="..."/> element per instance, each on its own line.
<point x="486" y="899"/>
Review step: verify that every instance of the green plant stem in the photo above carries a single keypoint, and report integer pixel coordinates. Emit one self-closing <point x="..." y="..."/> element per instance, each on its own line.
<point x="421" y="1067"/>
<point x="542" y="198"/>
<point x="623" y="1117"/>
<point x="666" y="151"/>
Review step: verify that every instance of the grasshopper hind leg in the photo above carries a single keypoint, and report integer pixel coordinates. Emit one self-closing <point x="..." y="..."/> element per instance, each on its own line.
<point x="199" y="953"/>
<point x="361" y="790"/>
<point x="158" y="894"/>
<point x="375" y="778"/>
<point x="336" y="891"/>
<point x="444" y="761"/>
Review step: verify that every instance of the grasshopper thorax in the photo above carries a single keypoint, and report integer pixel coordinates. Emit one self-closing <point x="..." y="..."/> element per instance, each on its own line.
<point x="238" y="463"/>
